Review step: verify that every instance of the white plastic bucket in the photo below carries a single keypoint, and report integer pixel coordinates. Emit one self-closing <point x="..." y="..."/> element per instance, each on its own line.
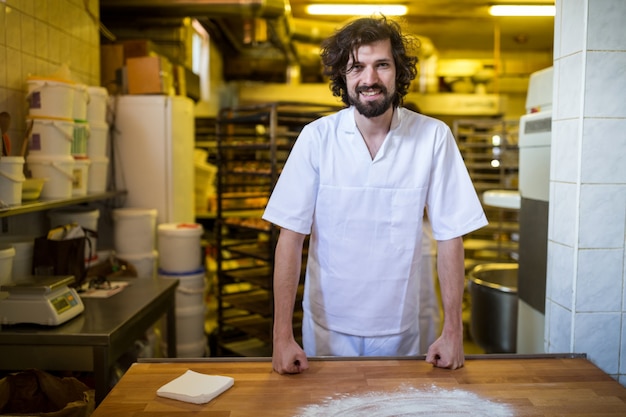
<point x="23" y="259"/>
<point x="98" y="139"/>
<point x="81" y="98"/>
<point x="81" y="176"/>
<point x="97" y="107"/>
<point x="197" y="349"/>
<point x="144" y="263"/>
<point x="59" y="172"/>
<point x="189" y="324"/>
<point x="191" y="287"/>
<point x="85" y="217"/>
<point x="7" y="253"/>
<point x="11" y="179"/>
<point x="98" y="174"/>
<point x="81" y="136"/>
<point x="179" y="246"/>
<point x="190" y="307"/>
<point x="50" y="98"/>
<point x="50" y="137"/>
<point x="134" y="230"/>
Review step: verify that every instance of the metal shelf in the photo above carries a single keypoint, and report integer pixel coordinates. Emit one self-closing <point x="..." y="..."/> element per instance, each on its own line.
<point x="43" y="205"/>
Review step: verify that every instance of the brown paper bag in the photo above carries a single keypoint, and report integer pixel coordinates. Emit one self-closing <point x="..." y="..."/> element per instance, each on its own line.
<point x="38" y="393"/>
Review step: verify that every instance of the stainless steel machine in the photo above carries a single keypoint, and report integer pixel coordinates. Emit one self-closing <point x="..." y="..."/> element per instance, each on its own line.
<point x="535" y="133"/>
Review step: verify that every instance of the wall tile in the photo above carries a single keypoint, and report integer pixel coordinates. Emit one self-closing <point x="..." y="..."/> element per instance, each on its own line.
<point x="624" y="282"/>
<point x="3" y="68"/>
<point x="3" y="25"/>
<point x="599" y="274"/>
<point x="603" y="347"/>
<point x="563" y="201"/>
<point x="602" y="216"/>
<point x="558" y="32"/>
<point x="561" y="275"/>
<point x="13" y="28"/>
<point x="565" y="149"/>
<point x="604" y="147"/>
<point x="41" y="42"/>
<point x="41" y="11"/>
<point x="14" y="68"/>
<point x="28" y="35"/>
<point x="606" y="25"/>
<point x="36" y="39"/>
<point x="622" y="355"/>
<point x="560" y="329"/>
<point x="569" y="93"/>
<point x="602" y="98"/>
<point x="29" y="67"/>
<point x="54" y="44"/>
<point x="572" y="26"/>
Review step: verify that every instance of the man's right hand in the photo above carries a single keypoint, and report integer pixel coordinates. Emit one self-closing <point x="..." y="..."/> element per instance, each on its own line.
<point x="289" y="358"/>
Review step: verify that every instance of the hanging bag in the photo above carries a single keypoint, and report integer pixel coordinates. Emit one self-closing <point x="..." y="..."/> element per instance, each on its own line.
<point x="58" y="253"/>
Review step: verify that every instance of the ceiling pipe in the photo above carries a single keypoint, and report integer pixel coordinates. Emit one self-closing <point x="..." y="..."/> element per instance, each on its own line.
<point x="197" y="8"/>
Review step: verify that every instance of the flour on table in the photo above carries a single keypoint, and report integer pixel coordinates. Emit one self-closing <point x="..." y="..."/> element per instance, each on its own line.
<point x="408" y="402"/>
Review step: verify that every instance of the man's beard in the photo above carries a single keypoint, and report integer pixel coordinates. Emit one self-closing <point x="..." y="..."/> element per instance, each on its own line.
<point x="371" y="108"/>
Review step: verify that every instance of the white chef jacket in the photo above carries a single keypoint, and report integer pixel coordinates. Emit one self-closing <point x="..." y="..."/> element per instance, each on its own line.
<point x="365" y="216"/>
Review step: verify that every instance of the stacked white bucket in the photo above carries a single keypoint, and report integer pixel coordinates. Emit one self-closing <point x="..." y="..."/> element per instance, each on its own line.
<point x="61" y="114"/>
<point x="11" y="179"/>
<point x="180" y="257"/>
<point x="97" y="145"/>
<point x="51" y="113"/>
<point x="134" y="237"/>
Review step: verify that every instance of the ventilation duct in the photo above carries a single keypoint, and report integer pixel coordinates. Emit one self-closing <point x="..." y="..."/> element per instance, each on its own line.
<point x="198" y="8"/>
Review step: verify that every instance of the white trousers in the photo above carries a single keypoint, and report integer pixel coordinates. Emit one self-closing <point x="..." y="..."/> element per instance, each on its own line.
<point x="318" y="341"/>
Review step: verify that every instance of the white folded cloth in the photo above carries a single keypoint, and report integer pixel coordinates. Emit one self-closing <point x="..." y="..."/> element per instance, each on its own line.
<point x="194" y="387"/>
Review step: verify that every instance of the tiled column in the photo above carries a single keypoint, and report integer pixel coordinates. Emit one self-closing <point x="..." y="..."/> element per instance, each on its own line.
<point x="586" y="278"/>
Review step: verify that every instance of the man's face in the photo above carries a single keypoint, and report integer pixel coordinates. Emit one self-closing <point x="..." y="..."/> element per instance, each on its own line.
<point x="371" y="79"/>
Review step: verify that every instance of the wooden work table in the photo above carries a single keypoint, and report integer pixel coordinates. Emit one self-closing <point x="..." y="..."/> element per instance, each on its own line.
<point x="547" y="385"/>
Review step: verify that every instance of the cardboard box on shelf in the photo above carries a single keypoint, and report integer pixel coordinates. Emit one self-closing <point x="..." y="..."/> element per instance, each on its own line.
<point x="149" y="75"/>
<point x="111" y="61"/>
<point x="138" y="48"/>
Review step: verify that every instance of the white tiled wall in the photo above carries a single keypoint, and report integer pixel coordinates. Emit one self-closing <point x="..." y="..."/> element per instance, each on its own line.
<point x="37" y="37"/>
<point x="586" y="289"/>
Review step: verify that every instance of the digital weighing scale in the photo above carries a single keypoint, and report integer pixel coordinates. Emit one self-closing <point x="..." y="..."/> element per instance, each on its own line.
<point x="43" y="300"/>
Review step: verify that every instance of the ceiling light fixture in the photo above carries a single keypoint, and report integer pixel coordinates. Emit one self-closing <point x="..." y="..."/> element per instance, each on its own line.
<point x="522" y="10"/>
<point x="356" y="9"/>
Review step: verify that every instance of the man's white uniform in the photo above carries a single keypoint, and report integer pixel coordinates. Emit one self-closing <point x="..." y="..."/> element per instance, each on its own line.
<point x="365" y="216"/>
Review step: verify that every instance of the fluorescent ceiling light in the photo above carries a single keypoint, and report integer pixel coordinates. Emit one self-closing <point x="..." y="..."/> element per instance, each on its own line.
<point x="519" y="10"/>
<point x="356" y="9"/>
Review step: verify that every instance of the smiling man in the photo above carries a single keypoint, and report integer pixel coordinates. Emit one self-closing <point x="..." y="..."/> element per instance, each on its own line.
<point x="359" y="182"/>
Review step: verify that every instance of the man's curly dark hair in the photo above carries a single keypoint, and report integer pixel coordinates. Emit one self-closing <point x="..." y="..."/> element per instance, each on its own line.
<point x="341" y="46"/>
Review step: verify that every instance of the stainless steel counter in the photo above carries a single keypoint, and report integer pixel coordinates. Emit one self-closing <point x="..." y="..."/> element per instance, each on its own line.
<point x="95" y="339"/>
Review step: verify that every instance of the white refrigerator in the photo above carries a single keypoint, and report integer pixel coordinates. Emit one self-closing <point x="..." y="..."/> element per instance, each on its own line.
<point x="153" y="145"/>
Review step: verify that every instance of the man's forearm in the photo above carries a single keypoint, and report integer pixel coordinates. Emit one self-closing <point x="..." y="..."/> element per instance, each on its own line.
<point x="451" y="271"/>
<point x="287" y="265"/>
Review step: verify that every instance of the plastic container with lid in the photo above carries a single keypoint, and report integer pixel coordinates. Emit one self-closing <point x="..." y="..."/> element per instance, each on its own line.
<point x="59" y="173"/>
<point x="50" y="136"/>
<point x="97" y="106"/>
<point x="11" y="179"/>
<point x="50" y="97"/>
<point x="7" y="253"/>
<point x="98" y="174"/>
<point x="134" y="230"/>
<point x="81" y="99"/>
<point x="81" y="176"/>
<point x="179" y="247"/>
